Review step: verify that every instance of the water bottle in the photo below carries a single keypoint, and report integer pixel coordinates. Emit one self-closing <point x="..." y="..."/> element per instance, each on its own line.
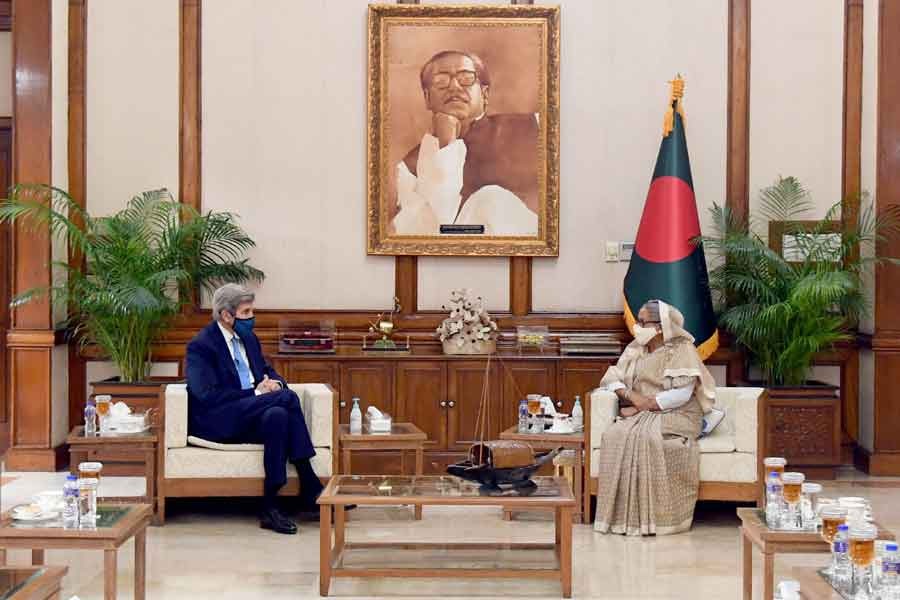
<point x="90" y="419"/>
<point x="774" y="500"/>
<point x="523" y="416"/>
<point x="70" y="503"/>
<point x="355" y="417"/>
<point x="577" y="413"/>
<point x="889" y="579"/>
<point x="840" y="558"/>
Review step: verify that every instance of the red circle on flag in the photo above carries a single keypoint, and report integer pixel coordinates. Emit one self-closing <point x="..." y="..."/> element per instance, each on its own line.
<point x="669" y="222"/>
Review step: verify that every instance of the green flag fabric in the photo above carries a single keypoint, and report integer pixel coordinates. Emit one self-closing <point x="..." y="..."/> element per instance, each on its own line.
<point x="666" y="265"/>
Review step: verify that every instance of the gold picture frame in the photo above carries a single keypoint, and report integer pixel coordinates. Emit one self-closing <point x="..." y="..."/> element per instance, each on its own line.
<point x="504" y="63"/>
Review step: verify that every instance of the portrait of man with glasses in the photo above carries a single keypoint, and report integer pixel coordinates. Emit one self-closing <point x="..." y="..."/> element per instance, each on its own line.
<point x="472" y="168"/>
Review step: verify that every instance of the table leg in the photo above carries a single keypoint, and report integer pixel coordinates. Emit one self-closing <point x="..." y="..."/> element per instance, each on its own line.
<point x="140" y="564"/>
<point x="150" y="474"/>
<point x="346" y="453"/>
<point x="578" y="476"/>
<point x="768" y="576"/>
<point x="109" y="574"/>
<point x="339" y="520"/>
<point x="565" y="551"/>
<point x="324" y="548"/>
<point x="747" y="562"/>
<point x="420" y="464"/>
<point x="37" y="556"/>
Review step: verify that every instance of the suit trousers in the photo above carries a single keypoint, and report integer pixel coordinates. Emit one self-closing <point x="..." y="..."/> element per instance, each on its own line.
<point x="276" y="421"/>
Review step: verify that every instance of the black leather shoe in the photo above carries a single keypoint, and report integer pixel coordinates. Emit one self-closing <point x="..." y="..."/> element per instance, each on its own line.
<point x="312" y="513"/>
<point x="271" y="518"/>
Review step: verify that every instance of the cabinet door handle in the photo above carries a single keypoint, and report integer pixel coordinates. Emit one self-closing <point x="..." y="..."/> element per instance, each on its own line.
<point x="451" y="404"/>
<point x="343" y="404"/>
<point x="443" y="403"/>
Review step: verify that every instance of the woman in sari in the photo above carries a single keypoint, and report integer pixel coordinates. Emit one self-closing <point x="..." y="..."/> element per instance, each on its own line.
<point x="649" y="458"/>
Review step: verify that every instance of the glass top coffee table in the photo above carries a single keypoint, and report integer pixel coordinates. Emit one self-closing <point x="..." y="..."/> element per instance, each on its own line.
<point x="30" y="583"/>
<point x="116" y="524"/>
<point x="475" y="559"/>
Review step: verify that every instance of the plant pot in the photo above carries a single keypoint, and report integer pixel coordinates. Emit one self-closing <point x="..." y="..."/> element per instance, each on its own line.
<point x="803" y="424"/>
<point x="470" y="347"/>
<point x="139" y="395"/>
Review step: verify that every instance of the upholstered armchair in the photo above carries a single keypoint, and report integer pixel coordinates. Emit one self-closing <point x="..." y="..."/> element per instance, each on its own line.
<point x="193" y="467"/>
<point x="730" y="457"/>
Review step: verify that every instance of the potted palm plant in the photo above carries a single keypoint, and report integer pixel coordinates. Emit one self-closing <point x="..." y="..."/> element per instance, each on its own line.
<point x="142" y="266"/>
<point x="787" y="289"/>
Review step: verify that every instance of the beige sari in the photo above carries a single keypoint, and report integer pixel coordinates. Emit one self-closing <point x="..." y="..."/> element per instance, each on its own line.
<point x="650" y="462"/>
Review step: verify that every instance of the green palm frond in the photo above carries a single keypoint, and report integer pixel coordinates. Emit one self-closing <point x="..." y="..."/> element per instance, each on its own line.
<point x="143" y="264"/>
<point x="784" y="313"/>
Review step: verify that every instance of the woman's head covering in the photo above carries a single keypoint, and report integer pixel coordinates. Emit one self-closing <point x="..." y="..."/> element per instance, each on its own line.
<point x="685" y="360"/>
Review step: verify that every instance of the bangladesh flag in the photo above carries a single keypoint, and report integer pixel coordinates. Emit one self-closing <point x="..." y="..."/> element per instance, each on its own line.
<point x="665" y="264"/>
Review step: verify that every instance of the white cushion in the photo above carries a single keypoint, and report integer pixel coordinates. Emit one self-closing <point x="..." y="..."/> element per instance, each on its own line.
<point x="740" y="406"/>
<point x="736" y="467"/>
<point x="176" y="415"/>
<point x="716" y="443"/>
<point x="604" y="409"/>
<point x="192" y="462"/>
<point x="316" y="401"/>
<point x="193" y="440"/>
<point x="731" y="467"/>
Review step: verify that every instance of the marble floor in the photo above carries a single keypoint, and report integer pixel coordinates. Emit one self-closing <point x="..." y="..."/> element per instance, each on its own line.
<point x="214" y="549"/>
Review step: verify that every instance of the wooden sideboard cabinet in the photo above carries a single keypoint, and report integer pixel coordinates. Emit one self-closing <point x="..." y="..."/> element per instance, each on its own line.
<point x="442" y="394"/>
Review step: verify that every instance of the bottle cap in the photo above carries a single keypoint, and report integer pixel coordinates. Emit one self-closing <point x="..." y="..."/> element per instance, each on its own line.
<point x="891" y="547"/>
<point x="71" y="477"/>
<point x="843" y="527"/>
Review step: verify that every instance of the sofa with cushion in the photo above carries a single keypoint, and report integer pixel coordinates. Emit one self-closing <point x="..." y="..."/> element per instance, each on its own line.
<point x="191" y="467"/>
<point x="730" y="457"/>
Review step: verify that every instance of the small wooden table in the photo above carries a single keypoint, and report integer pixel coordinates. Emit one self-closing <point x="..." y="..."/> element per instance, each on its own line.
<point x="549" y="441"/>
<point x="403" y="437"/>
<point x="31" y="583"/>
<point x="121" y="454"/>
<point x="441" y="490"/>
<point x="812" y="586"/>
<point x="754" y="531"/>
<point x="117" y="523"/>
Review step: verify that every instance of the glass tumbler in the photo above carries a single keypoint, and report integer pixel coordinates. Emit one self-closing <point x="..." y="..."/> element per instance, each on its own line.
<point x="792" y="483"/>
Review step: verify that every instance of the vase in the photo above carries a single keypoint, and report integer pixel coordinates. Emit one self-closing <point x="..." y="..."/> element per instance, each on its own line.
<point x="451" y="346"/>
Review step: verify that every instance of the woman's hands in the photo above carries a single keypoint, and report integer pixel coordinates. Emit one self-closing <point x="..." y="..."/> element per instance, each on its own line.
<point x="632" y="402"/>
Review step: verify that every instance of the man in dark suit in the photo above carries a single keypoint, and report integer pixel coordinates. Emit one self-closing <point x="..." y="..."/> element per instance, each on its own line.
<point x="235" y="396"/>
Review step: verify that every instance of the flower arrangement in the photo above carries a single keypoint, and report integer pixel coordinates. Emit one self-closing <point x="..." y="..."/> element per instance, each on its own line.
<point x="469" y="328"/>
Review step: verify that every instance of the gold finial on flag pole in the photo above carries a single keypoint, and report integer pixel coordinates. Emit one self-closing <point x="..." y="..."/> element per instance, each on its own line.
<point x="676" y="93"/>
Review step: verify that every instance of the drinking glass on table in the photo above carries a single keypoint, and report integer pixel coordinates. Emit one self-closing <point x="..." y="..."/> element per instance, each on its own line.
<point x="862" y="555"/>
<point x="832" y="516"/>
<point x="103" y="401"/>
<point x="772" y="464"/>
<point x="792" y="483"/>
<point x="534" y="409"/>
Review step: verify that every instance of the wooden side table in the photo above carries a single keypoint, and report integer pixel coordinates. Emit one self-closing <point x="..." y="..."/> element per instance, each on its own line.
<point x="121" y="454"/>
<point x="550" y="441"/>
<point x="403" y="437"/>
<point x="31" y="583"/>
<point x="117" y="523"/>
<point x="755" y="532"/>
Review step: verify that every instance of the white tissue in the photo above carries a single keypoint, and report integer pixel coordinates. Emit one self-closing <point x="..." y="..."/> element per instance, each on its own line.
<point x="374" y="413"/>
<point x="119" y="409"/>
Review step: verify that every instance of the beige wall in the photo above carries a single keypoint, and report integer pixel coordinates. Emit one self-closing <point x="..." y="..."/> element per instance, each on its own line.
<point x="132" y="100"/>
<point x="6" y="74"/>
<point x="796" y="96"/>
<point x="287" y="152"/>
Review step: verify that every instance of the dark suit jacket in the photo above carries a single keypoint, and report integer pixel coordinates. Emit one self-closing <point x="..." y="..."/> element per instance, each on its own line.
<point x="216" y="402"/>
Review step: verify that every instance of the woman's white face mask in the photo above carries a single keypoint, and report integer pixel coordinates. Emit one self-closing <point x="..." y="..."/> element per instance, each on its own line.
<point x="643" y="335"/>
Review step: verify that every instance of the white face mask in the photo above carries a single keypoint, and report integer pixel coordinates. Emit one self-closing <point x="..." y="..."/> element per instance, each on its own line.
<point x="643" y="335"/>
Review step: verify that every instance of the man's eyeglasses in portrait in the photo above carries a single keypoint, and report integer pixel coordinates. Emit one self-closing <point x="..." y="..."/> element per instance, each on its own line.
<point x="463" y="78"/>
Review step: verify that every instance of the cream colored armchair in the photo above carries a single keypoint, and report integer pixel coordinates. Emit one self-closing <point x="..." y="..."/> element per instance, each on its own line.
<point x="730" y="458"/>
<point x="190" y="467"/>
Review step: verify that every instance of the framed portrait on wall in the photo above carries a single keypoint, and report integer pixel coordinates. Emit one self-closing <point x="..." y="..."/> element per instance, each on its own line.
<point x="463" y="130"/>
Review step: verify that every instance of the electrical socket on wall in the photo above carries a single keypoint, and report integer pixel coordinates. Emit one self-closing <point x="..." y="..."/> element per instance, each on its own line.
<point x="626" y="249"/>
<point x="612" y="251"/>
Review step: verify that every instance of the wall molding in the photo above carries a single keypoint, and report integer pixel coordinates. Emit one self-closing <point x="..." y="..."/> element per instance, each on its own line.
<point x="737" y="152"/>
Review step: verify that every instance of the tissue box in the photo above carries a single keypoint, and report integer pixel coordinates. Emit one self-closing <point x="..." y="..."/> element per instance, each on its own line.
<point x="378" y="425"/>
